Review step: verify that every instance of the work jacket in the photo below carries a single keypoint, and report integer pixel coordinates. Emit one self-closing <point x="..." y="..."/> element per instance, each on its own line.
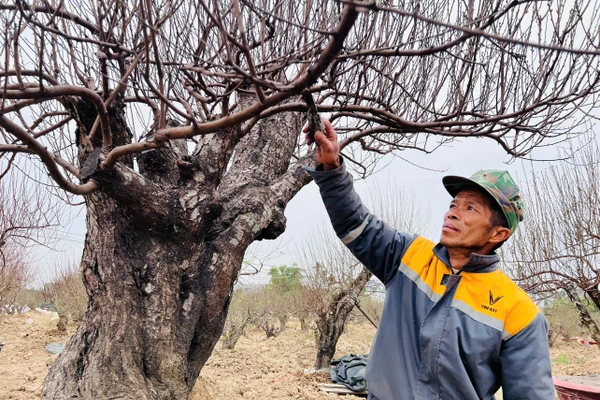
<point x="441" y="335"/>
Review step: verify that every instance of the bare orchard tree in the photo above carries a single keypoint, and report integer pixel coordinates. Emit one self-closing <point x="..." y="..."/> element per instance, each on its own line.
<point x="335" y="280"/>
<point x="559" y="245"/>
<point x="248" y="306"/>
<point x="28" y="216"/>
<point x="176" y="122"/>
<point x="331" y="298"/>
<point x="14" y="275"/>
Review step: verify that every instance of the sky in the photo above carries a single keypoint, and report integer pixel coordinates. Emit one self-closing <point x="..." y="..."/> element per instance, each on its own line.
<point x="306" y="212"/>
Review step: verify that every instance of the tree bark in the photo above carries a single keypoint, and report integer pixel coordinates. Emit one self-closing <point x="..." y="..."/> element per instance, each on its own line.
<point x="584" y="315"/>
<point x="162" y="252"/>
<point x="594" y="294"/>
<point x="283" y="320"/>
<point x="330" y="324"/>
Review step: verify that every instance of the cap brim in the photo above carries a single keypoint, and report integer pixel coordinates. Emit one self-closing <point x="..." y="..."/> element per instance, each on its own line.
<point x="454" y="184"/>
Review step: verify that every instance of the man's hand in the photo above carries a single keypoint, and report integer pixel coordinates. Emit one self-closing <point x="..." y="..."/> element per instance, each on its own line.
<point x="328" y="148"/>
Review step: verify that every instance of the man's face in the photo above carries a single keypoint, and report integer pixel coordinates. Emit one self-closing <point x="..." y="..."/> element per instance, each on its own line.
<point x="467" y="222"/>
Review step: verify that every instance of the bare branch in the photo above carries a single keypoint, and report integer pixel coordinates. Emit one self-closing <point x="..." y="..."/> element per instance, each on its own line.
<point x="60" y="91"/>
<point x="47" y="158"/>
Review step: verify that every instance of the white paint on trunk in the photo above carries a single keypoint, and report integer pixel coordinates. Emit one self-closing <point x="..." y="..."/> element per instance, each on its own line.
<point x="213" y="262"/>
<point x="129" y="175"/>
<point x="195" y="215"/>
<point x="199" y="177"/>
<point x="189" y="200"/>
<point x="148" y="288"/>
<point x="187" y="304"/>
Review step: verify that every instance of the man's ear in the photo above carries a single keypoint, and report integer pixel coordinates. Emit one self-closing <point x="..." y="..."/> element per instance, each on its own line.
<point x="499" y="234"/>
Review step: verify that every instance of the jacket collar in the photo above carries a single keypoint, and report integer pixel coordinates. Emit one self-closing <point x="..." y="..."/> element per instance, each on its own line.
<point x="476" y="263"/>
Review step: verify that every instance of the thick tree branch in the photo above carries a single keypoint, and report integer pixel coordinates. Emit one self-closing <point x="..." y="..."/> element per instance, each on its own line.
<point x="60" y="91"/>
<point x="47" y="158"/>
<point x="15" y="148"/>
<point x="311" y="76"/>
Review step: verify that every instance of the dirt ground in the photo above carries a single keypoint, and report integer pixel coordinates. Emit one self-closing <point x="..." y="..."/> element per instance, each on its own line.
<point x="257" y="368"/>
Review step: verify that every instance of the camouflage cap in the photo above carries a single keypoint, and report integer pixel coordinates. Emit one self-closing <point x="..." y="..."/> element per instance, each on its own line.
<point x="500" y="185"/>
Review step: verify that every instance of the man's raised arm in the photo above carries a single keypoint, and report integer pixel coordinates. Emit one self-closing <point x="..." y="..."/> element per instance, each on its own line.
<point x="379" y="247"/>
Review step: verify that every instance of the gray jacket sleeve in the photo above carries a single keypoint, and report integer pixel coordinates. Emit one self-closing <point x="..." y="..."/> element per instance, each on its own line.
<point x="379" y="247"/>
<point x="525" y="364"/>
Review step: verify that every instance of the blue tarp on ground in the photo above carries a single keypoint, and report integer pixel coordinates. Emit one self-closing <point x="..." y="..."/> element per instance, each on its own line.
<point x="350" y="372"/>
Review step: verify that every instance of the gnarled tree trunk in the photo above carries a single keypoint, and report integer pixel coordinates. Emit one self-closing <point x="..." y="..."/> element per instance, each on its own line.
<point x="162" y="252"/>
<point x="330" y="324"/>
<point x="584" y="316"/>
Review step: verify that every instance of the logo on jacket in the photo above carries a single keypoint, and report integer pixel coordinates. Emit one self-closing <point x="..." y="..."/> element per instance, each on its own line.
<point x="494" y="300"/>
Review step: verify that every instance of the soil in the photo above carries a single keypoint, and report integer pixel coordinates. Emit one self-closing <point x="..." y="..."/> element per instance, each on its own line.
<point x="258" y="368"/>
<point x="571" y="358"/>
<point x="24" y="361"/>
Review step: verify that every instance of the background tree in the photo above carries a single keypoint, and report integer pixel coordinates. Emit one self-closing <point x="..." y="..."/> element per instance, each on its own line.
<point x="285" y="279"/>
<point x="334" y="279"/>
<point x="248" y="306"/>
<point x="28" y="216"/>
<point x="558" y="246"/>
<point x="175" y="120"/>
<point x="258" y="305"/>
<point x="285" y="283"/>
<point x="332" y="298"/>
<point x="14" y="275"/>
<point x="66" y="292"/>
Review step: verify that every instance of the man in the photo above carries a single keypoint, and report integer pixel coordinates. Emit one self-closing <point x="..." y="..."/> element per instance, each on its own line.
<point x="453" y="325"/>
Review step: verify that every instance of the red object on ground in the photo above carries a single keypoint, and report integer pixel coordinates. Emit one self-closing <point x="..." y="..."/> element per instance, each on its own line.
<point x="581" y="340"/>
<point x="575" y="391"/>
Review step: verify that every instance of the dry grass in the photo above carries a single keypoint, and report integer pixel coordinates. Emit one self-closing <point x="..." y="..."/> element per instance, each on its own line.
<point x="563" y="317"/>
<point x="66" y="291"/>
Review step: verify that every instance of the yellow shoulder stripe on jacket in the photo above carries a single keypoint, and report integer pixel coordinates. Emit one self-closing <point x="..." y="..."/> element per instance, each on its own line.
<point x="521" y="315"/>
<point x="422" y="266"/>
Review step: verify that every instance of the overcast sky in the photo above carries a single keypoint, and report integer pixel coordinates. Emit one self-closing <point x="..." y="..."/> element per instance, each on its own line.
<point x="306" y="211"/>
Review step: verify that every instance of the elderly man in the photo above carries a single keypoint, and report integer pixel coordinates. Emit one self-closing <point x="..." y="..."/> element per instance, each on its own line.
<point x="453" y="326"/>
